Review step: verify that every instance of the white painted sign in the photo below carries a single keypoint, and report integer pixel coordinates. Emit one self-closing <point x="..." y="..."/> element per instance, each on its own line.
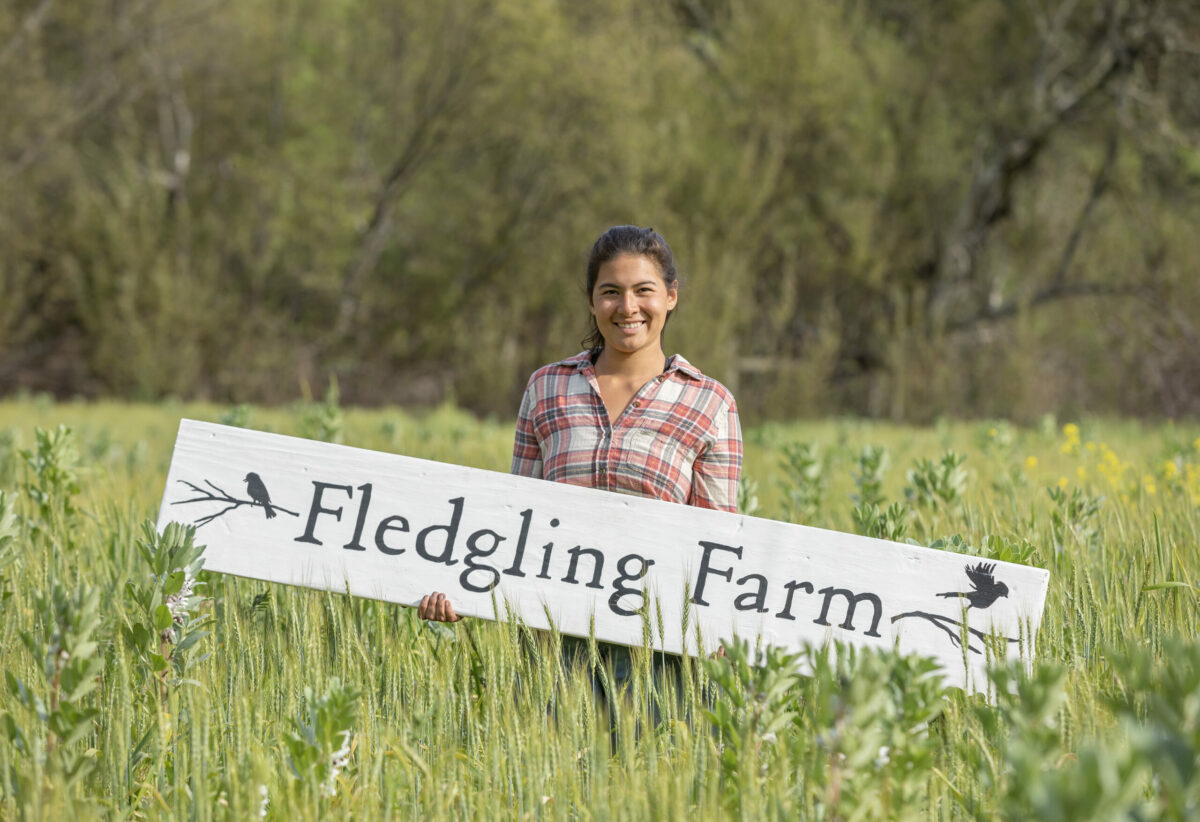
<point x="396" y="528"/>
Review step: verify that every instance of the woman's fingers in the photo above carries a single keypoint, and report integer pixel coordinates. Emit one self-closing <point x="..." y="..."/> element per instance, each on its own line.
<point x="437" y="607"/>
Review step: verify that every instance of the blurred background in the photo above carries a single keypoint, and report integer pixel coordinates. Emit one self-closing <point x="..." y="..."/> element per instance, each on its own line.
<point x="887" y="209"/>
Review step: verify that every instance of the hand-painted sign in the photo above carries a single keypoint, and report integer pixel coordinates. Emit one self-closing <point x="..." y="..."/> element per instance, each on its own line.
<point x="396" y="528"/>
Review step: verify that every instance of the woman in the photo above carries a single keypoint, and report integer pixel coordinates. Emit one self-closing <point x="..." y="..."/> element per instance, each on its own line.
<point x="622" y="416"/>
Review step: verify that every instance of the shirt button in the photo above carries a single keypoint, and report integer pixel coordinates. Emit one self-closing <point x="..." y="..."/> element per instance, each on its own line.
<point x="636" y="403"/>
<point x="662" y="378"/>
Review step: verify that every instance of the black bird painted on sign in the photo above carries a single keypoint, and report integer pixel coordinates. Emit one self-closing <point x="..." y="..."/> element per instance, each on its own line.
<point x="258" y="493"/>
<point x="985" y="589"/>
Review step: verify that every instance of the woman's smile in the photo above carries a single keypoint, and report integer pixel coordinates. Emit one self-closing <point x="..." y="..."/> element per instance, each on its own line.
<point x="630" y="302"/>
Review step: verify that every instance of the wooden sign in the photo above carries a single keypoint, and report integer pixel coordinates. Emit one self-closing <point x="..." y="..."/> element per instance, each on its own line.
<point x="396" y="528"/>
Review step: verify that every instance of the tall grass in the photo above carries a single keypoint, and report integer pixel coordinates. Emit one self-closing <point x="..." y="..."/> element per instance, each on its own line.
<point x="309" y="705"/>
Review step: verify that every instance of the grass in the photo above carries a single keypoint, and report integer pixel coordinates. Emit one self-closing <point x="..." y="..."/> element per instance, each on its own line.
<point x="484" y="721"/>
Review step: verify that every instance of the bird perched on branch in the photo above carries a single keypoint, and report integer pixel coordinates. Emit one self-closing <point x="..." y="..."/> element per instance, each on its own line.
<point x="258" y="493"/>
<point x="985" y="589"/>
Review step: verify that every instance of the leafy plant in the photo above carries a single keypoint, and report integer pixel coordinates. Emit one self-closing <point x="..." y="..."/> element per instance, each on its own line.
<point x="747" y="496"/>
<point x="867" y="731"/>
<point x="52" y="484"/>
<point x="321" y="740"/>
<point x="238" y="416"/>
<point x="323" y="420"/>
<point x="937" y="485"/>
<point x="871" y="466"/>
<point x="753" y="706"/>
<point x="9" y="532"/>
<point x="804" y="484"/>
<point x="993" y="546"/>
<point x="69" y="666"/>
<point x="1073" y="518"/>
<point x="891" y="524"/>
<point x="163" y="624"/>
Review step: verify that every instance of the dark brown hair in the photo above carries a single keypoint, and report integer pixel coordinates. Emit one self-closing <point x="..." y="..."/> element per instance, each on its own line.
<point x="627" y="239"/>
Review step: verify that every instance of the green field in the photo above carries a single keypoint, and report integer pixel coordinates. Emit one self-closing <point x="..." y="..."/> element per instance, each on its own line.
<point x="126" y="697"/>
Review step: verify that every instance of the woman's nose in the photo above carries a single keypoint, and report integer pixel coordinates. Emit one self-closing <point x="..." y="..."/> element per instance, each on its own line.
<point x="630" y="303"/>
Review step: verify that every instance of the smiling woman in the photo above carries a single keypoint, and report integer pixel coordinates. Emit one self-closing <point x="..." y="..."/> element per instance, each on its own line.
<point x="622" y="416"/>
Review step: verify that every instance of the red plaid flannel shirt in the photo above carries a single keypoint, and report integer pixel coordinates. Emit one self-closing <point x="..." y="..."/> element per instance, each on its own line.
<point x="678" y="439"/>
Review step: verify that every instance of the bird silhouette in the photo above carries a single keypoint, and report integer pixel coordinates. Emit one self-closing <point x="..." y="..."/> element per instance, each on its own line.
<point x="258" y="493"/>
<point x="985" y="589"/>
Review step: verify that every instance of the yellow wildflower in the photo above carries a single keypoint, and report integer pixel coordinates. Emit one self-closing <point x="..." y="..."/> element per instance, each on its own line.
<point x="1062" y="482"/>
<point x="1071" y="439"/>
<point x="1148" y="484"/>
<point x="1091" y="446"/>
<point x="1030" y="463"/>
<point x="1170" y="469"/>
<point x="1081" y="472"/>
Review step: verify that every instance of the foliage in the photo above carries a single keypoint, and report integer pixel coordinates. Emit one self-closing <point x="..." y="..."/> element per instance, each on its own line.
<point x="747" y="496"/>
<point x="873" y="462"/>
<point x="804" y="481"/>
<point x="163" y="621"/>
<point x="57" y="715"/>
<point x="937" y="487"/>
<point x="314" y="705"/>
<point x="52" y="483"/>
<point x="9" y="533"/>
<point x="323" y="420"/>
<point x="754" y="705"/>
<point x="320" y="742"/>
<point x="890" y="524"/>
<point x="1073" y="518"/>
<point x="883" y="209"/>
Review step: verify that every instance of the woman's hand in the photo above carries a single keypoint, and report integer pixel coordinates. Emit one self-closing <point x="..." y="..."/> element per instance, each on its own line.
<point x="437" y="607"/>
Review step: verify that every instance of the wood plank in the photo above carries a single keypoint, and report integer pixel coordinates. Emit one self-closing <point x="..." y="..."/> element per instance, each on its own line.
<point x="395" y="528"/>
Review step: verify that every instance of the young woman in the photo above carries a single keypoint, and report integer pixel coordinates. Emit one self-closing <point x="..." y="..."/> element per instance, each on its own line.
<point x="621" y="415"/>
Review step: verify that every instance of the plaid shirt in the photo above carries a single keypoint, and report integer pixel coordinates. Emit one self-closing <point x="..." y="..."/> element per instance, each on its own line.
<point x="677" y="440"/>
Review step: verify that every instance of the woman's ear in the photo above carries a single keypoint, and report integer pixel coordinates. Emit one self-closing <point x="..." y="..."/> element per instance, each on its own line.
<point x="672" y="297"/>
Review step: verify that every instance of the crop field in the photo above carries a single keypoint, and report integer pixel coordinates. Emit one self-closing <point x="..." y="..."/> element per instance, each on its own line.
<point x="137" y="688"/>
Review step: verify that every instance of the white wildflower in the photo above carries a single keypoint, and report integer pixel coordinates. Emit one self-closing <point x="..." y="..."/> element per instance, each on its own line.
<point x="177" y="603"/>
<point x="265" y="803"/>
<point x="337" y="761"/>
<point x="769" y="737"/>
<point x="883" y="757"/>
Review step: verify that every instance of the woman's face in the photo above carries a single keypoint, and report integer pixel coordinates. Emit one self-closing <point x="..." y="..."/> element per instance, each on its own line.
<point x="630" y="302"/>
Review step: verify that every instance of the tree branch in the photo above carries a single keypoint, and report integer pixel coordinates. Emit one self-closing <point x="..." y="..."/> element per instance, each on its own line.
<point x="222" y="496"/>
<point x="29" y="25"/>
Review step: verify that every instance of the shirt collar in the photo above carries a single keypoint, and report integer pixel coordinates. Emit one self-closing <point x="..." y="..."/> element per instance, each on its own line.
<point x="675" y="362"/>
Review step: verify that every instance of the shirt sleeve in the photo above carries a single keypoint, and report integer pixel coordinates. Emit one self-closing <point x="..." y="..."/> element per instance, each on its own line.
<point x="527" y="453"/>
<point x="716" y="472"/>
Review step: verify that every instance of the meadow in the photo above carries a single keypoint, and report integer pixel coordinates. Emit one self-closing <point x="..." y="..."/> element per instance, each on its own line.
<point x="137" y="688"/>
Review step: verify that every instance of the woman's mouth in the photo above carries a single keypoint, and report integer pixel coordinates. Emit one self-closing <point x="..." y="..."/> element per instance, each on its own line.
<point x="631" y="326"/>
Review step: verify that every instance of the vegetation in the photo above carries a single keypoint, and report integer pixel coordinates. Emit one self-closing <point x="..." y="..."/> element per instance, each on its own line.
<point x="138" y="686"/>
<point x="888" y="209"/>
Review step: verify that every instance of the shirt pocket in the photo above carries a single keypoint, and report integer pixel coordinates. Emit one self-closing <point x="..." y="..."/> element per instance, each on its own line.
<point x="656" y="451"/>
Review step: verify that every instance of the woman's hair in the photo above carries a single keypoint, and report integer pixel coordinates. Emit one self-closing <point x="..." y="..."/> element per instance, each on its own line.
<point x="627" y="239"/>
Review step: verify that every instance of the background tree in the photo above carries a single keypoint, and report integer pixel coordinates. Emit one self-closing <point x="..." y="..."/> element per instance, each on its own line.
<point x="980" y="209"/>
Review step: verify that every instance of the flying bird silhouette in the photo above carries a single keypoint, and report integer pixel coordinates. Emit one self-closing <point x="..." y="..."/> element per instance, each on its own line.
<point x="984" y="588"/>
<point x="258" y="493"/>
